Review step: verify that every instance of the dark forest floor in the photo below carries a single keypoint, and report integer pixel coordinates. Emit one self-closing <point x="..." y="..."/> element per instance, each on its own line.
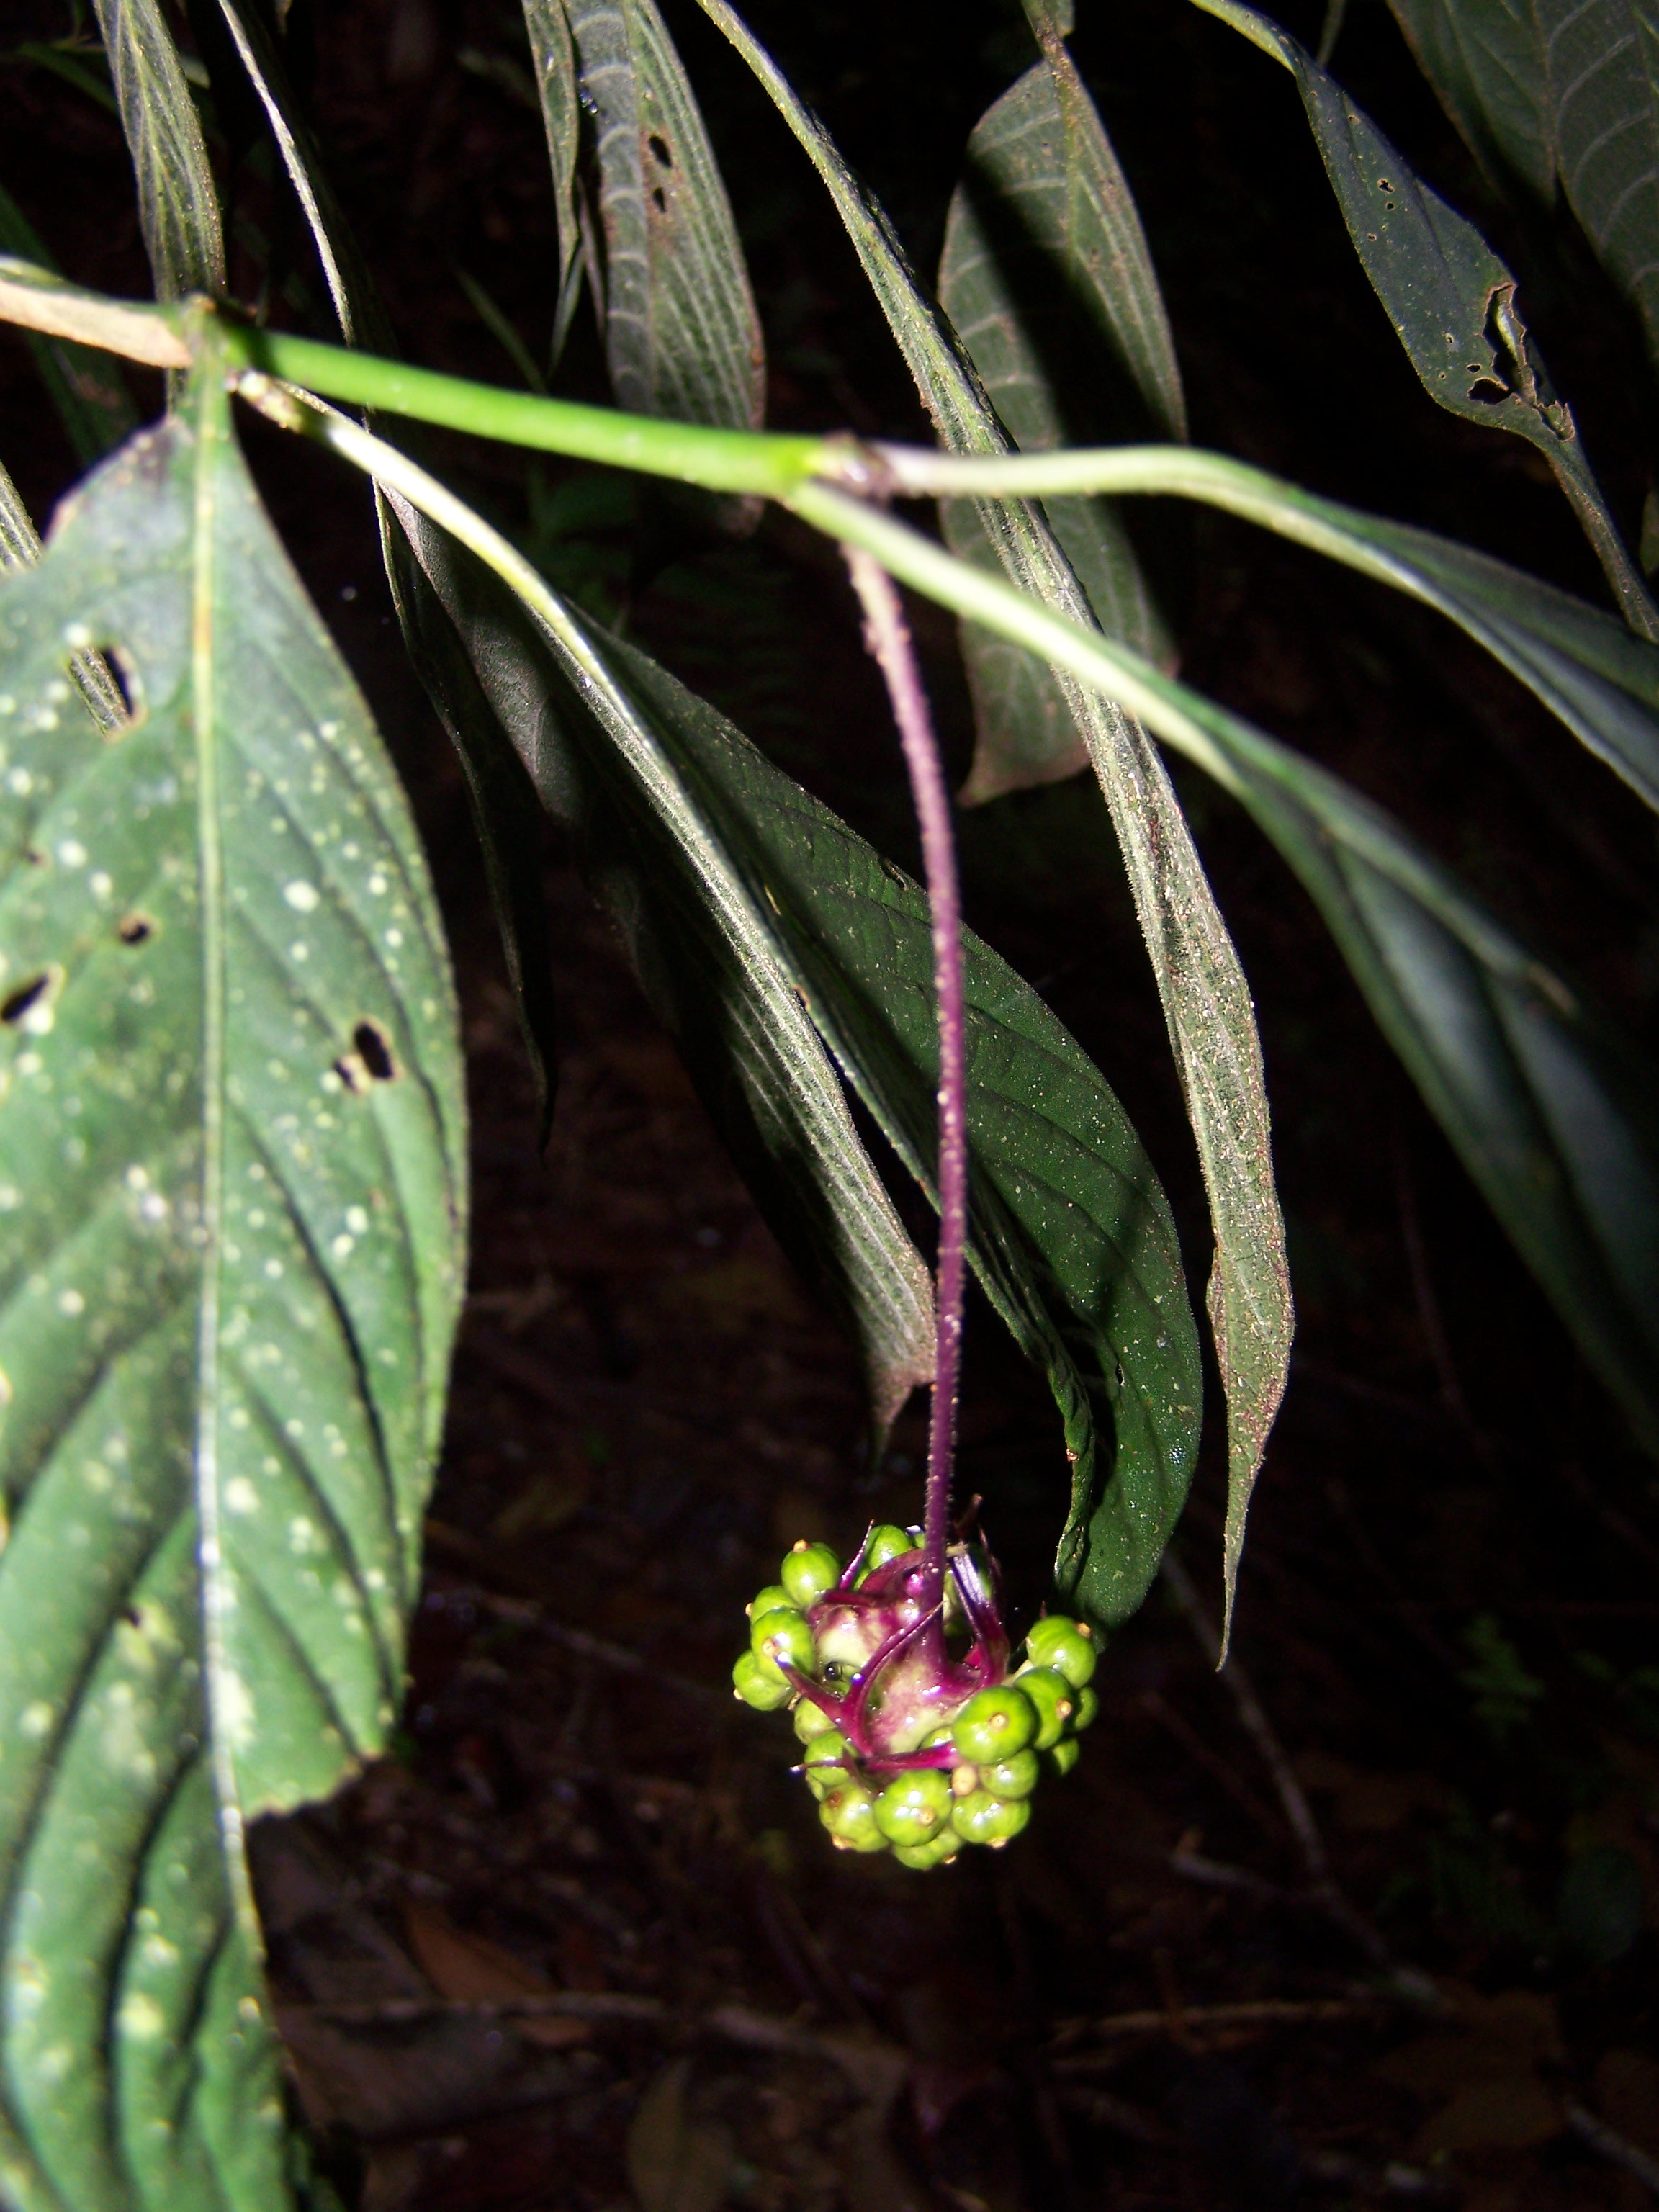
<point x="1394" y="1939"/>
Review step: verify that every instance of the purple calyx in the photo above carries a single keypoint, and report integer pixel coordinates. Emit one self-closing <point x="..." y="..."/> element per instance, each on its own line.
<point x="902" y="1652"/>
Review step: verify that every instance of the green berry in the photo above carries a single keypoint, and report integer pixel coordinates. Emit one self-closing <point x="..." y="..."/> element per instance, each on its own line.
<point x="1065" y="1754"/>
<point x="849" y="1813"/>
<point x="762" y="1687"/>
<point x="826" y="1763"/>
<point x="1065" y="1646"/>
<point x="934" y="1852"/>
<point x="983" y="1818"/>
<point x="1055" y="1701"/>
<point x="1088" y="1704"/>
<point x="770" y="1598"/>
<point x="884" y="1542"/>
<point x="912" y="1808"/>
<point x="783" y="1634"/>
<point x="1013" y="1778"/>
<point x="811" y="1720"/>
<point x="994" y="1724"/>
<point x="808" y="1572"/>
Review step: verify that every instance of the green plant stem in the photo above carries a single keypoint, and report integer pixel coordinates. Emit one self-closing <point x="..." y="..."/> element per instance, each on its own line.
<point x="753" y="461"/>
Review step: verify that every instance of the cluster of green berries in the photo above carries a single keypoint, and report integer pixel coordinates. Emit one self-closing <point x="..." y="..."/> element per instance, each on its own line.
<point x="967" y="1773"/>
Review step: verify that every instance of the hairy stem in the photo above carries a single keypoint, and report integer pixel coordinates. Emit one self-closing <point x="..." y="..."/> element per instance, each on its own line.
<point x="887" y="636"/>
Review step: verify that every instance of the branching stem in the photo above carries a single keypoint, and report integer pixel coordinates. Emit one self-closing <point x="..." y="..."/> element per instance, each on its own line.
<point x="887" y="636"/>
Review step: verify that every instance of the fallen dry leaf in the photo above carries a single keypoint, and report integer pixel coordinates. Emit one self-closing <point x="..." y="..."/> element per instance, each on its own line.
<point x="674" y="2163"/>
<point x="469" y="1969"/>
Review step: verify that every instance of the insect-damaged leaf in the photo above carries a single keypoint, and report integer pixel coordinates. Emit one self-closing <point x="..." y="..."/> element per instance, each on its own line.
<point x="1448" y="296"/>
<point x="1046" y="277"/>
<point x="1207" y="1001"/>
<point x="1560" y="96"/>
<point x="232" y="1162"/>
<point x="707" y="844"/>
<point x="682" y="336"/>
<point x="507" y="829"/>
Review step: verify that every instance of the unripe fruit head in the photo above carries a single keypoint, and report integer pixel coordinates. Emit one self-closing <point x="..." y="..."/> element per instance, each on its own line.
<point x="826" y="1763"/>
<point x="849" y="1813"/>
<point x="1065" y="1646"/>
<point x="1055" y="1701"/>
<point x="1065" y="1754"/>
<point x="994" y="1724"/>
<point x="811" y="1720"/>
<point x="759" y="1685"/>
<point x="768" y="1600"/>
<point x="914" y="1807"/>
<point x="1013" y="1778"/>
<point x="983" y="1818"/>
<point x="1088" y="1704"/>
<point x="808" y="1572"/>
<point x="943" y="1846"/>
<point x="783" y="1634"/>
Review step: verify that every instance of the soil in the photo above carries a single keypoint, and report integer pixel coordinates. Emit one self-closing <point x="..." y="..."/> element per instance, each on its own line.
<point x="1369" y="1916"/>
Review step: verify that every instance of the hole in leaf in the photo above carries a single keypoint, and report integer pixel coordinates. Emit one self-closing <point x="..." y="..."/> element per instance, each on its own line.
<point x="1490" y="391"/>
<point x="134" y="928"/>
<point x="660" y="199"/>
<point x="374" y="1050"/>
<point x="17" y="1004"/>
<point x="659" y="147"/>
<point x="126" y="677"/>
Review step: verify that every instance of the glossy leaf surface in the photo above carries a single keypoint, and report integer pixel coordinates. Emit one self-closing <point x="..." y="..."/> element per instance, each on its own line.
<point x="232" y="1162"/>
<point x="1046" y="277"/>
<point x="1450" y="297"/>
<point x="1207" y="1001"/>
<point x="1558" y="96"/>
<point x="1071" y="1234"/>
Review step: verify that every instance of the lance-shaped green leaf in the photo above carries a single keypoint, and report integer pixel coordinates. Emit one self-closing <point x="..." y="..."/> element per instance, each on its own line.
<point x="232" y="1162"/>
<point x="700" y="937"/>
<point x="1599" y="679"/>
<point x="681" y="334"/>
<point x="1448" y="296"/>
<point x="1554" y="1114"/>
<point x="508" y="831"/>
<point x="743" y="895"/>
<point x="1046" y="275"/>
<point x="86" y="388"/>
<point x="1207" y="1001"/>
<point x="1558" y="96"/>
<point x="178" y="207"/>
<point x="557" y="86"/>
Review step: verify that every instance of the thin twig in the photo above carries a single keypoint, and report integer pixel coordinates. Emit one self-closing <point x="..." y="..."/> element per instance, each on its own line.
<point x="1291" y="1796"/>
<point x="1267" y="2012"/>
<point x="887" y="635"/>
<point x="874" y="2068"/>
<point x="1617" y="2149"/>
<point x="1258" y="1727"/>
